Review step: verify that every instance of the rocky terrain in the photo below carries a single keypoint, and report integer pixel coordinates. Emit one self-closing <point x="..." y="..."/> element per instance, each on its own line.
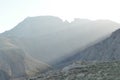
<point x="84" y="71"/>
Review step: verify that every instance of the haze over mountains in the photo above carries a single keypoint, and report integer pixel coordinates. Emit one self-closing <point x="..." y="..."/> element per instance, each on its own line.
<point x="98" y="62"/>
<point x="105" y="50"/>
<point x="50" y="40"/>
<point x="47" y="35"/>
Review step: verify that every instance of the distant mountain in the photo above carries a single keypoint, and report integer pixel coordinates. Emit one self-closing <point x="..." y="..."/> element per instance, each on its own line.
<point x="106" y="50"/>
<point x="50" y="39"/>
<point x="34" y="43"/>
<point x="15" y="63"/>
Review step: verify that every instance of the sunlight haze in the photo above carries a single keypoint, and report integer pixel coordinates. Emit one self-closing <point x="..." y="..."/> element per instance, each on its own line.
<point x="14" y="11"/>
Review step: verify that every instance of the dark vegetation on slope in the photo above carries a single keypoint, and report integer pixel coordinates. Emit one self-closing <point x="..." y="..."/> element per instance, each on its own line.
<point x="85" y="71"/>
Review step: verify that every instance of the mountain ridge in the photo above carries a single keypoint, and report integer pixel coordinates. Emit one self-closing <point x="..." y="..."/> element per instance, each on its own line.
<point x="105" y="50"/>
<point x="43" y="36"/>
<point x="49" y="40"/>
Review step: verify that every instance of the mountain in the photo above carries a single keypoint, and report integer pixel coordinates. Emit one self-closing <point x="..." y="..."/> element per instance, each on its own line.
<point x="15" y="63"/>
<point x="34" y="43"/>
<point x="84" y="71"/>
<point x="105" y="50"/>
<point x="49" y="39"/>
<point x="100" y="61"/>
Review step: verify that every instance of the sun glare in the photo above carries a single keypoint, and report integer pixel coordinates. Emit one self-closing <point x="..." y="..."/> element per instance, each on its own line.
<point x="65" y="9"/>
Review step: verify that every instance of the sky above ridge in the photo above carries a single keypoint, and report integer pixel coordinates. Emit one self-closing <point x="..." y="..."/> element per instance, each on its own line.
<point x="14" y="11"/>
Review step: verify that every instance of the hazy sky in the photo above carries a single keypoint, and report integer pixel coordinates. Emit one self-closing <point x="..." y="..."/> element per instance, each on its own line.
<point x="14" y="11"/>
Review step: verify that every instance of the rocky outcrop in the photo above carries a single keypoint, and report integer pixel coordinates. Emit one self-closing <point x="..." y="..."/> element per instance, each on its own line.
<point x="85" y="71"/>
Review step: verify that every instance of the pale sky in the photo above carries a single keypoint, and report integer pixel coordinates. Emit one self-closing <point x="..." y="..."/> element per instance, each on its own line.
<point x="14" y="11"/>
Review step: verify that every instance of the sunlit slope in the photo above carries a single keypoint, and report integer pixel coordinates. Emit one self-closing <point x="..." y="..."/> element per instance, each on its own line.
<point x="16" y="63"/>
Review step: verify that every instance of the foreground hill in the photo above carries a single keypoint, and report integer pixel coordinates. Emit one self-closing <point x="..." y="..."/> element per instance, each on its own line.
<point x="15" y="63"/>
<point x="84" y="71"/>
<point x="47" y="35"/>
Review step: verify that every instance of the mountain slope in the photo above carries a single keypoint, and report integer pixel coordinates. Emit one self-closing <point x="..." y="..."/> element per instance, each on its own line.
<point x="50" y="40"/>
<point x="48" y="35"/>
<point x="106" y="50"/>
<point x="85" y="71"/>
<point x="15" y="63"/>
